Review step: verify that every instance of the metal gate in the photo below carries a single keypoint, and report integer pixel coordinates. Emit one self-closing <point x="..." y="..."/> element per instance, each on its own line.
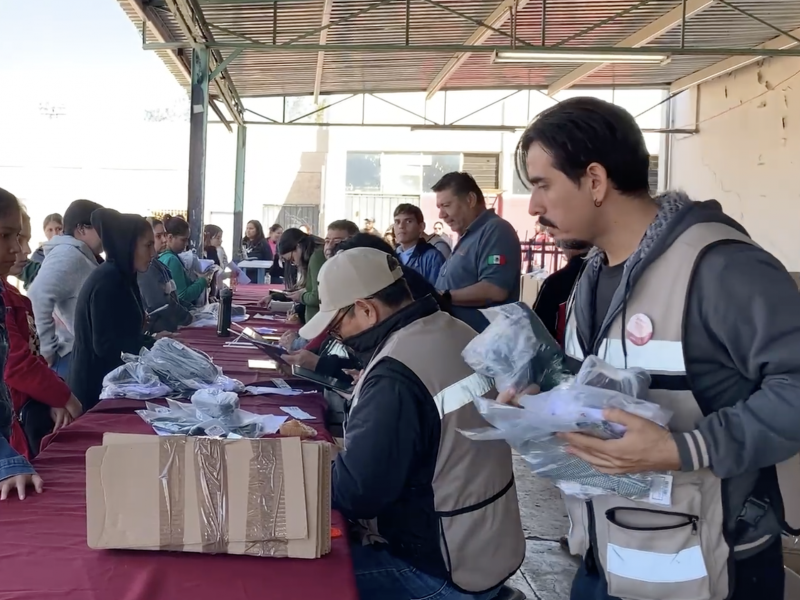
<point x="379" y="207"/>
<point x="291" y="215"/>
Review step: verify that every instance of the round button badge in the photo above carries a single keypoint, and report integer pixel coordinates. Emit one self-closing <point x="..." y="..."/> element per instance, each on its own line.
<point x="639" y="329"/>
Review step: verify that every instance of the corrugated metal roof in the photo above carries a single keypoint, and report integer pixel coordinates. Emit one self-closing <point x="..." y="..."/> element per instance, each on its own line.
<point x="258" y="73"/>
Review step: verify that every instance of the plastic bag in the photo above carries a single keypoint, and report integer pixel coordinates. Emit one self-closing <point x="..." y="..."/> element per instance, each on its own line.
<point x="207" y="315"/>
<point x="216" y="403"/>
<point x="179" y="418"/>
<point x="575" y="407"/>
<point x="184" y="369"/>
<point x="133" y="380"/>
<point x="516" y="350"/>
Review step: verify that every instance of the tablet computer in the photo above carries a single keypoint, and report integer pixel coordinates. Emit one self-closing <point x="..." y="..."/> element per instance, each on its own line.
<point x="253" y="334"/>
<point x="323" y="380"/>
<point x="279" y="296"/>
<point x="274" y="351"/>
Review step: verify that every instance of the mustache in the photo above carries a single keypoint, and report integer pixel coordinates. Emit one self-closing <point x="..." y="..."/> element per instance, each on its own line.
<point x="547" y="223"/>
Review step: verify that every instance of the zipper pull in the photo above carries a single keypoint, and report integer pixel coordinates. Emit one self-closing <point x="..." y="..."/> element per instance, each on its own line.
<point x="694" y="526"/>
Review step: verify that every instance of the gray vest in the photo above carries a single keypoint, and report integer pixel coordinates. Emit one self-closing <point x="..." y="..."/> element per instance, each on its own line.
<point x="651" y="552"/>
<point x="475" y="497"/>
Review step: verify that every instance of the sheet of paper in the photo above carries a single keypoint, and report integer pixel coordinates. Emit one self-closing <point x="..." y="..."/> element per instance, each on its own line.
<point x="297" y="413"/>
<point x="271" y="423"/>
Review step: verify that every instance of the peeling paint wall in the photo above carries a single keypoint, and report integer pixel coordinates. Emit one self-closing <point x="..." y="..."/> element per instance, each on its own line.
<point x="747" y="151"/>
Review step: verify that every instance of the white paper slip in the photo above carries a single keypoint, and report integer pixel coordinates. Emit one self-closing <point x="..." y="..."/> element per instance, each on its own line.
<point x="296" y="412"/>
<point x="281" y="383"/>
<point x="162" y="410"/>
<point x="661" y="490"/>
<point x="271" y="423"/>
<point x="263" y="391"/>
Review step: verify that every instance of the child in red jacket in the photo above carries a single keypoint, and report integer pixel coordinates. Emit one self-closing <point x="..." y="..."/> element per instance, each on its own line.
<point x="27" y="375"/>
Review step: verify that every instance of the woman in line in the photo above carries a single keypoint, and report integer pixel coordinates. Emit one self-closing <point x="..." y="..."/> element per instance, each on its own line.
<point x="188" y="291"/>
<point x="53" y="226"/>
<point x="276" y="272"/>
<point x="109" y="315"/>
<point x="255" y="246"/>
<point x="307" y="253"/>
<point x="158" y="290"/>
<point x="212" y="246"/>
<point x="16" y="473"/>
<point x="42" y="401"/>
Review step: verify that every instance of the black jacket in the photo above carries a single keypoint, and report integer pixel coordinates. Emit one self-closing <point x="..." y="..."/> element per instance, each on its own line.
<point x="392" y="445"/>
<point x="555" y="292"/>
<point x="109" y="314"/>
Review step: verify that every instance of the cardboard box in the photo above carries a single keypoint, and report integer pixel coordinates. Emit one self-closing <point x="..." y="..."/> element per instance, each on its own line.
<point x="265" y="497"/>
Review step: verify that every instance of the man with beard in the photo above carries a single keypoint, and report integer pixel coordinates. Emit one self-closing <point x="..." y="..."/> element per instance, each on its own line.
<point x="677" y="288"/>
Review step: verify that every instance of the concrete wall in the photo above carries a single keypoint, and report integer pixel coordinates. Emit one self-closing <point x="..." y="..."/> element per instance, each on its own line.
<point x="747" y="152"/>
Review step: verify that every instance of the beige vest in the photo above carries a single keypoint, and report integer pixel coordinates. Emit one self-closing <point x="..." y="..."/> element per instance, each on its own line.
<point x="650" y="552"/>
<point x="475" y="497"/>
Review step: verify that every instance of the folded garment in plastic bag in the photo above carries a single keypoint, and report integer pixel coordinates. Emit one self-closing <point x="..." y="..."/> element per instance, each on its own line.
<point x="207" y="315"/>
<point x="184" y="369"/>
<point x="133" y="380"/>
<point x="579" y="408"/>
<point x="516" y="350"/>
<point x="210" y="413"/>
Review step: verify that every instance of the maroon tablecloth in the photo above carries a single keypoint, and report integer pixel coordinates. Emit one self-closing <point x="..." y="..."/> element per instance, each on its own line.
<point x="233" y="360"/>
<point x="44" y="556"/>
<point x="43" y="551"/>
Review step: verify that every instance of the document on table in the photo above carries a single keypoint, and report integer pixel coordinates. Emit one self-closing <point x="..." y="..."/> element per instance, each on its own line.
<point x="296" y="412"/>
<point x="271" y="423"/>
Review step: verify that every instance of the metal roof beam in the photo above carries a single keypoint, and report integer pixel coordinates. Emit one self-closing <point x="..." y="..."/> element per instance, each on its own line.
<point x="645" y="35"/>
<point x="323" y="38"/>
<point x="161" y="33"/>
<point x="733" y="63"/>
<point x="495" y="20"/>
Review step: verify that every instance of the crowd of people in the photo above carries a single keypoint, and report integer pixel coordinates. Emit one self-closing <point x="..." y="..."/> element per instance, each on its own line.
<point x="665" y="284"/>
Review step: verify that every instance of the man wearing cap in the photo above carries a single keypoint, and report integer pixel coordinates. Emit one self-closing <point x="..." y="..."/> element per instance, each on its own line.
<point x="69" y="259"/>
<point x="437" y="513"/>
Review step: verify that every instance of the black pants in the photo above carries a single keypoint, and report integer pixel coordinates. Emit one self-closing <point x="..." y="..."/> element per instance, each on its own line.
<point x="757" y="578"/>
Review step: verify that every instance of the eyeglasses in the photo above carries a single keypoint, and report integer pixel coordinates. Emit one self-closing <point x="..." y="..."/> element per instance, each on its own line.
<point x="333" y="331"/>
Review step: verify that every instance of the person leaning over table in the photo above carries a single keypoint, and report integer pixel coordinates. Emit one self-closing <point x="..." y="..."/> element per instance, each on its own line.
<point x="435" y="514"/>
<point x="177" y="237"/>
<point x="485" y="267"/>
<point x="42" y="402"/>
<point x="327" y="357"/>
<point x="109" y="315"/>
<point x="307" y="253"/>
<point x="158" y="289"/>
<point x="16" y="473"/>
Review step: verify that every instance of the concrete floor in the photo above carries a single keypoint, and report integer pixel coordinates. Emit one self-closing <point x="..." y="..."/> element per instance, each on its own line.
<point x="547" y="571"/>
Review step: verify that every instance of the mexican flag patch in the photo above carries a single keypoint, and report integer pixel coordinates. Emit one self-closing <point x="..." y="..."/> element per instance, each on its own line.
<point x="496" y="259"/>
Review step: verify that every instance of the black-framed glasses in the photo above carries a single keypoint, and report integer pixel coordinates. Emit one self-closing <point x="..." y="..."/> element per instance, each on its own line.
<point x="333" y="330"/>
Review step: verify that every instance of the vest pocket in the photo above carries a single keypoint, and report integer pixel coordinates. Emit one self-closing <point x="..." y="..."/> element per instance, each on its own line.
<point x="654" y="555"/>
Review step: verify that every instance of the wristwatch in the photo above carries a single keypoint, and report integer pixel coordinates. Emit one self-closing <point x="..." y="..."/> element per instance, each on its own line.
<point x="447" y="298"/>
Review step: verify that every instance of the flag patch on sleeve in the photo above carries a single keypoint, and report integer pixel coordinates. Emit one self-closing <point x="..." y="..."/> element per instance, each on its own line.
<point x="496" y="259"/>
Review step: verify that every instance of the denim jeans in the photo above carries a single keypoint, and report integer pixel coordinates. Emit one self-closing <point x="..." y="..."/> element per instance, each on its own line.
<point x="61" y="365"/>
<point x="11" y="463"/>
<point x="759" y="577"/>
<point x="381" y="576"/>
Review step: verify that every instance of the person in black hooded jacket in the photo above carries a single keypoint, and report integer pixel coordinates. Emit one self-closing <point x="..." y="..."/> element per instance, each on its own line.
<point x="109" y="315"/>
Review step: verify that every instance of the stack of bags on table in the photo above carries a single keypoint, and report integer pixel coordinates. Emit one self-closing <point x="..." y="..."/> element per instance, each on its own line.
<point x="266" y="497"/>
<point x="517" y="351"/>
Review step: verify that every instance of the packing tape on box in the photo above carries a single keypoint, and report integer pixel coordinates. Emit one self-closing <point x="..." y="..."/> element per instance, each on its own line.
<point x="265" y="527"/>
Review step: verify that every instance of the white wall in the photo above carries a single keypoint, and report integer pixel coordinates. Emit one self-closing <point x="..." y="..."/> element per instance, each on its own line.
<point x="747" y="152"/>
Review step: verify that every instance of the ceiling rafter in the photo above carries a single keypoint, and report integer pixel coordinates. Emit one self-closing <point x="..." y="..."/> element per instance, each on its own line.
<point x="495" y="20"/>
<point x="645" y="35"/>
<point x="323" y="39"/>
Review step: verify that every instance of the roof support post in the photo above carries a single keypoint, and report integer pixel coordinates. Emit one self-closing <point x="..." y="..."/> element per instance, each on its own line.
<point x="238" y="193"/>
<point x="198" y="129"/>
<point x="645" y="35"/>
<point x="323" y="38"/>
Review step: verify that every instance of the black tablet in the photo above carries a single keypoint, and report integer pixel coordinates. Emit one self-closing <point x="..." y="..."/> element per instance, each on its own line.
<point x="323" y="380"/>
